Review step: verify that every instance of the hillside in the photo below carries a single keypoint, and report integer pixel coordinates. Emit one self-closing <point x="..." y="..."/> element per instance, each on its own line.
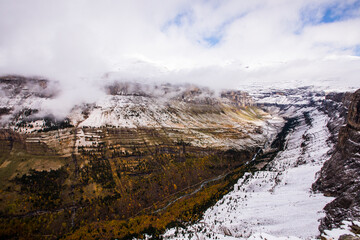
<point x="126" y="155"/>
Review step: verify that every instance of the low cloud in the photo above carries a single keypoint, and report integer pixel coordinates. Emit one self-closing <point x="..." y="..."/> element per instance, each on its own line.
<point x="221" y="44"/>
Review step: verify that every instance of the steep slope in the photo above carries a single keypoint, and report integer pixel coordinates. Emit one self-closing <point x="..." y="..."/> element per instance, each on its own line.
<point x="340" y="176"/>
<point x="277" y="200"/>
<point x="123" y="158"/>
<point x="145" y="158"/>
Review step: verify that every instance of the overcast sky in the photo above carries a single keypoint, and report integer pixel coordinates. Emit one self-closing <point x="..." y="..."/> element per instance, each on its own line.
<point x="219" y="43"/>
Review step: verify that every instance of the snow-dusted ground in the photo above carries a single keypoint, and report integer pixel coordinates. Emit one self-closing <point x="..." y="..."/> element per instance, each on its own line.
<point x="344" y="229"/>
<point x="277" y="203"/>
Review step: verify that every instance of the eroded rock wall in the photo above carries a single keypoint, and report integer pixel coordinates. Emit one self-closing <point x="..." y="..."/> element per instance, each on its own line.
<point x="340" y="175"/>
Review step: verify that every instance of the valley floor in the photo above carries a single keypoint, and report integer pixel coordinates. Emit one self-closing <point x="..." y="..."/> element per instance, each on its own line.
<point x="277" y="202"/>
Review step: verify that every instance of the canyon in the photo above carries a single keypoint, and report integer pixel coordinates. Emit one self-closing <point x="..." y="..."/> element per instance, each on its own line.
<point x="151" y="160"/>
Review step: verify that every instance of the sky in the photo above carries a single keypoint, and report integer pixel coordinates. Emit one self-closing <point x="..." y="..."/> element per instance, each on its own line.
<point x="221" y="44"/>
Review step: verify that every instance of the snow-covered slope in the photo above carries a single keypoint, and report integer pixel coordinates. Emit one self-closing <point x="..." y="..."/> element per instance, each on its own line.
<point x="278" y="201"/>
<point x="196" y="115"/>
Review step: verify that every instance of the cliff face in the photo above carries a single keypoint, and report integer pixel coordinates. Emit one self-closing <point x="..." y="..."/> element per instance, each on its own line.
<point x="336" y="106"/>
<point x="340" y="175"/>
<point x="129" y="154"/>
<point x="354" y="111"/>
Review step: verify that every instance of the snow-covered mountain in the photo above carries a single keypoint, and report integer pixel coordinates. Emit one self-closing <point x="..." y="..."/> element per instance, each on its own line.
<point x="135" y="148"/>
<point x="143" y="157"/>
<point x="183" y="112"/>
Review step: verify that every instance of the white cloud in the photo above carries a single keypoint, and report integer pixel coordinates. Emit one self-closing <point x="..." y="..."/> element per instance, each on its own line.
<point x="277" y="40"/>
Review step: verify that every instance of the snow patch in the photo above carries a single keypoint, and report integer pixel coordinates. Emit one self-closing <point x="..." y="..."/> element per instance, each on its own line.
<point x="344" y="229"/>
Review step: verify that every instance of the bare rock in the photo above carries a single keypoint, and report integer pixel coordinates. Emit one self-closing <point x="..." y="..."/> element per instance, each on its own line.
<point x="348" y="237"/>
<point x="340" y="175"/>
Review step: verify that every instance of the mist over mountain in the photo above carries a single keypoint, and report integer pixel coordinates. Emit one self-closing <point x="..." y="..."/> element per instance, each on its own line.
<point x="219" y="45"/>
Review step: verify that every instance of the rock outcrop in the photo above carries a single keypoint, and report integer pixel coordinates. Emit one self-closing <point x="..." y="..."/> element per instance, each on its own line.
<point x="336" y="106"/>
<point x="239" y="98"/>
<point x="340" y="175"/>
